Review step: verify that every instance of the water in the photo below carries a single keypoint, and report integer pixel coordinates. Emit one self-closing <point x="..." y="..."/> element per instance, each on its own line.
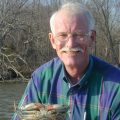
<point x="9" y="92"/>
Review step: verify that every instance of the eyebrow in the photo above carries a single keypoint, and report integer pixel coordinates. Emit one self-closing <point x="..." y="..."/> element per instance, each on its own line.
<point x="78" y="31"/>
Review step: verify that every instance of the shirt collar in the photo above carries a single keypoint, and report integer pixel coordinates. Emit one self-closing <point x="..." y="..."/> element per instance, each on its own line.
<point x="84" y="80"/>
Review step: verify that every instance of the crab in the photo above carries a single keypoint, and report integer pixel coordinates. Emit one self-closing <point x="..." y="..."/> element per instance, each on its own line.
<point x="38" y="111"/>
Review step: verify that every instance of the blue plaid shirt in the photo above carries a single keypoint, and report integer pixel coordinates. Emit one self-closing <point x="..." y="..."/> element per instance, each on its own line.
<point x="95" y="97"/>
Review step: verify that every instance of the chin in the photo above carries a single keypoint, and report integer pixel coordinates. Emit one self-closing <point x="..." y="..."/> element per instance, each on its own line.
<point x="69" y="62"/>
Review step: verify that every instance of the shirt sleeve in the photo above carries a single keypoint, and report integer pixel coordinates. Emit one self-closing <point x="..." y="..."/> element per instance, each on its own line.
<point x="116" y="115"/>
<point x="30" y="95"/>
<point x="116" y="108"/>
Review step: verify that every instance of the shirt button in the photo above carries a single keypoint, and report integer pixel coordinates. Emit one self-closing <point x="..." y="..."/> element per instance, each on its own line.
<point x="70" y="92"/>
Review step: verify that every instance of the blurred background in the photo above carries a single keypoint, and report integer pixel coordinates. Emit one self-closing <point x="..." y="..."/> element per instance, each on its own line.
<point x="24" y="42"/>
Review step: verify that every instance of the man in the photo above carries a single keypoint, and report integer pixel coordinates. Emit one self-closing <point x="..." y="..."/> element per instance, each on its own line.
<point x="90" y="86"/>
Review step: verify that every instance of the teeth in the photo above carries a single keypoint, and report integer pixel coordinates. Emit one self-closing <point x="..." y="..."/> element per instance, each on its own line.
<point x="71" y="50"/>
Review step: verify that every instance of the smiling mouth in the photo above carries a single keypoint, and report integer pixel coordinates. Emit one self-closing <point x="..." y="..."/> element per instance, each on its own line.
<point x="72" y="50"/>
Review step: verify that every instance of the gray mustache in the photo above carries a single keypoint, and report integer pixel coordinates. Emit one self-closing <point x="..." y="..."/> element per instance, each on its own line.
<point x="71" y="50"/>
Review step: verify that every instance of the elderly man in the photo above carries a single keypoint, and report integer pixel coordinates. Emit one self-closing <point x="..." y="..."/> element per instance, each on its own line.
<point x="90" y="86"/>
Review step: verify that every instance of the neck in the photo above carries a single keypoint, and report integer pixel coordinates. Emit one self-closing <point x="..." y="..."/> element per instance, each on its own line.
<point x="75" y="73"/>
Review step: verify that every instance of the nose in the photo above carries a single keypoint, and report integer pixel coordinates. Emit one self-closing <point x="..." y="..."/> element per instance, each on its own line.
<point x="70" y="42"/>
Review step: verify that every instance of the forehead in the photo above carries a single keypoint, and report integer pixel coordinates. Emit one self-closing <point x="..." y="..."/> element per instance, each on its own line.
<point x="66" y="21"/>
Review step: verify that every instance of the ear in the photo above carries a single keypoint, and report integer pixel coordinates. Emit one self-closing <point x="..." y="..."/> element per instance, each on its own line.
<point x="52" y="40"/>
<point x="93" y="38"/>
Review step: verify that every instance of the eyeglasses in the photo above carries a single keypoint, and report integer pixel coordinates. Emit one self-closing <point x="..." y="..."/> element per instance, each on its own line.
<point x="78" y="36"/>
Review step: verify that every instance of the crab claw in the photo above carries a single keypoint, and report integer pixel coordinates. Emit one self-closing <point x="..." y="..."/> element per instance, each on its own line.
<point x="32" y="106"/>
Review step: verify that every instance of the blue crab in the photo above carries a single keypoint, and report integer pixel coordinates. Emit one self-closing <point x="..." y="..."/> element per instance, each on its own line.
<point x="37" y="111"/>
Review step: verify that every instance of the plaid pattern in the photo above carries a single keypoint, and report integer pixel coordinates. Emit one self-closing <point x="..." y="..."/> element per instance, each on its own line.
<point x="95" y="97"/>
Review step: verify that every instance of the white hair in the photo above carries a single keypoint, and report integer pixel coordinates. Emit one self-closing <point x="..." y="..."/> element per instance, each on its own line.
<point x="74" y="8"/>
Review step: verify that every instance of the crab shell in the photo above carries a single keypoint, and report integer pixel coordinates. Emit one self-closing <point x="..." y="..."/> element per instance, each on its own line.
<point x="38" y="111"/>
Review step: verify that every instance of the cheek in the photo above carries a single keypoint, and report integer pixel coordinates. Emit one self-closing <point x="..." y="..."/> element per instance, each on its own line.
<point x="59" y="46"/>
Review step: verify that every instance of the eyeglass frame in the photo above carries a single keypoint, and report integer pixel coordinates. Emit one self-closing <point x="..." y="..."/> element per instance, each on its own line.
<point x="79" y="36"/>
